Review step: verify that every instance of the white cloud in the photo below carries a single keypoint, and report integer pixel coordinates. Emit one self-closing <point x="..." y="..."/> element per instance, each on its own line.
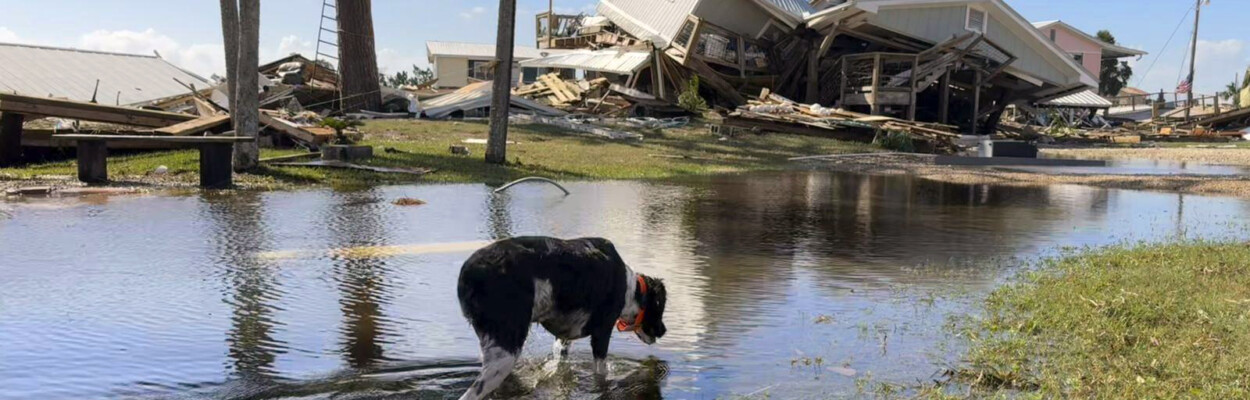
<point x="391" y="61"/>
<point x="293" y="44"/>
<point x="8" y="36"/>
<point x="203" y="59"/>
<point x="473" y="13"/>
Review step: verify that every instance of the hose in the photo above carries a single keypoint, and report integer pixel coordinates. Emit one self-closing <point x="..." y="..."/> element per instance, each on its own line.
<point x="529" y="179"/>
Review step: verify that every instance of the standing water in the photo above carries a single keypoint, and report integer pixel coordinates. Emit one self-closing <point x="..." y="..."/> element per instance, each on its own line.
<point x="791" y="285"/>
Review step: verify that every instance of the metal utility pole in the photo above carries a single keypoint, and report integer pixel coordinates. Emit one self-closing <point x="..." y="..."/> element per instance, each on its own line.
<point x="501" y="90"/>
<point x="1193" y="58"/>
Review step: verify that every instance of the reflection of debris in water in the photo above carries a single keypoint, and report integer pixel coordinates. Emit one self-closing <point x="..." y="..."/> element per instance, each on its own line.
<point x="545" y="378"/>
<point x="376" y="251"/>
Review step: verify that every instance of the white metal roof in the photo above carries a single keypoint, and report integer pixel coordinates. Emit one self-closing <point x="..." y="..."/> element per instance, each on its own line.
<point x="125" y="79"/>
<point x="654" y="20"/>
<point x="1108" y="48"/>
<point x="794" y="10"/>
<point x="1082" y="99"/>
<point x="480" y="50"/>
<point x="610" y="61"/>
<point x="474" y="96"/>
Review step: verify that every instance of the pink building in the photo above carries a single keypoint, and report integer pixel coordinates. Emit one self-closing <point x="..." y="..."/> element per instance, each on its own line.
<point x="1086" y="49"/>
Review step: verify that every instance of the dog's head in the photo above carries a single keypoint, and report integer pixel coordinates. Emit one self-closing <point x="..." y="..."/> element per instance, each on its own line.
<point x="653" y="318"/>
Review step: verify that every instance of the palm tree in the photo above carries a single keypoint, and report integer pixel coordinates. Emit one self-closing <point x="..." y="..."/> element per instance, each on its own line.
<point x="1232" y="93"/>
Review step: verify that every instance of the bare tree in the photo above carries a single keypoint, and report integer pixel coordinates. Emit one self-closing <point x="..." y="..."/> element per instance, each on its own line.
<point x="241" y="32"/>
<point x="358" y="60"/>
<point x="501" y="96"/>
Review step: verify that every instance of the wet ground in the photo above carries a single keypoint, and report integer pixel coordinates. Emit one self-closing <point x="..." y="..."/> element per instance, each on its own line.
<point x="790" y="285"/>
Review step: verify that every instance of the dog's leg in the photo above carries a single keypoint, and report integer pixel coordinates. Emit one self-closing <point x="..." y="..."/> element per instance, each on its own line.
<point x="560" y="349"/>
<point x="497" y="363"/>
<point x="599" y="346"/>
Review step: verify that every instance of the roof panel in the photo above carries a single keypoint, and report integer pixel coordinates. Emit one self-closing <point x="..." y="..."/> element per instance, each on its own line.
<point x="1082" y="99"/>
<point x="480" y="50"/>
<point x="68" y="73"/>
<point x="610" y="61"/>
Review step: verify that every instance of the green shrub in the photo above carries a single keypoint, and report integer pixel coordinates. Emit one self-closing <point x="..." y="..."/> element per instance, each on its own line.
<point x="690" y="99"/>
<point x="895" y="141"/>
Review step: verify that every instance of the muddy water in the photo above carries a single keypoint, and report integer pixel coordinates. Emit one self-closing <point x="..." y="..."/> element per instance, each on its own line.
<point x="794" y="285"/>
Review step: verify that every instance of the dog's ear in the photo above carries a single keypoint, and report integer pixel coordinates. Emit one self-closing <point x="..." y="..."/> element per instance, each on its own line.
<point x="657" y="298"/>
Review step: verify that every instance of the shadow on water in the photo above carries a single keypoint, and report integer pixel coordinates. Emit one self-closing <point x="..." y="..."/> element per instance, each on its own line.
<point x="796" y="282"/>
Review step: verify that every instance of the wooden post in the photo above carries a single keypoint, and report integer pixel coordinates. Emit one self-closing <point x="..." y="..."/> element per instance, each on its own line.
<point x="551" y="24"/>
<point x="976" y="103"/>
<point x="11" y="139"/>
<point x="501" y="90"/>
<point x="215" y="165"/>
<point x="813" y="75"/>
<point x="876" y="85"/>
<point x="93" y="161"/>
<point x="911" y="108"/>
<point x="944" y="104"/>
<point x="1217" y="104"/>
<point x="842" y="81"/>
<point x="1193" y="59"/>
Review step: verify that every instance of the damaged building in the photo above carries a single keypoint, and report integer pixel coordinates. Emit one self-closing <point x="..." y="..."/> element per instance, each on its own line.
<point x="949" y="62"/>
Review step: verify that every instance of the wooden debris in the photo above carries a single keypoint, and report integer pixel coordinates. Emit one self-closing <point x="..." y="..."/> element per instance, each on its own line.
<point x="198" y="125"/>
<point x="18" y="104"/>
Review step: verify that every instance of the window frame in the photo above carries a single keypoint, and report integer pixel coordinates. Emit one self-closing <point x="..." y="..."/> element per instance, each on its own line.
<point x="985" y="19"/>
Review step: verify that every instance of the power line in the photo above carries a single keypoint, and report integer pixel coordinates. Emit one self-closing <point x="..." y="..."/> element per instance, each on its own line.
<point x="1165" y="46"/>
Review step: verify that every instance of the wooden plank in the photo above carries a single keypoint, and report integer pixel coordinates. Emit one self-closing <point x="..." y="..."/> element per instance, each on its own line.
<point x="169" y="139"/>
<point x="89" y="112"/>
<point x="198" y="125"/>
<point x="288" y="128"/>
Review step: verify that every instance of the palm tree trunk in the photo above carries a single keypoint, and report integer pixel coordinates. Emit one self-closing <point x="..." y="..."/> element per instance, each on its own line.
<point x="501" y="95"/>
<point x="247" y="155"/>
<point x="358" y="60"/>
<point x="230" y="35"/>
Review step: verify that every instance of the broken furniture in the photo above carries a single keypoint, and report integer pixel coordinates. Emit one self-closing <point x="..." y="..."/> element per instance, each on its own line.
<point x="215" y="155"/>
<point x="16" y="109"/>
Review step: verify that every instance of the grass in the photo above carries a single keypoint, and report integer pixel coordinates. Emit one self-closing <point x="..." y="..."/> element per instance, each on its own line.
<point x="540" y="151"/>
<point x="1159" y="321"/>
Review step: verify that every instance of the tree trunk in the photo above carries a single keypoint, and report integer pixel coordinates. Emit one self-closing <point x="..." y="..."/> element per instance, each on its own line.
<point x="358" y="60"/>
<point x="230" y="35"/>
<point x="247" y="155"/>
<point x="501" y="91"/>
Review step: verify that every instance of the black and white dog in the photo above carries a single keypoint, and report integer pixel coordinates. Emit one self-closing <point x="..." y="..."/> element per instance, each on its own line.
<point x="574" y="288"/>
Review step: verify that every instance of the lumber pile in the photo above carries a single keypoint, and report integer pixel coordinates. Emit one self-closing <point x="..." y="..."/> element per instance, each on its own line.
<point x="594" y="96"/>
<point x="774" y="113"/>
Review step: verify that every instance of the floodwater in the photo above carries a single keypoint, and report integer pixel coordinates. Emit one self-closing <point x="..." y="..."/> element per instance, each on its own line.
<point x="792" y="285"/>
<point x="1146" y="168"/>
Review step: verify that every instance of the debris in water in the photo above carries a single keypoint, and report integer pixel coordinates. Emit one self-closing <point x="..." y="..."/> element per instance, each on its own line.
<point x="408" y="201"/>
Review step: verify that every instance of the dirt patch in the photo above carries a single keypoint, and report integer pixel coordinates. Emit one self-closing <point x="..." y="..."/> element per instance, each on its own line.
<point x="1205" y="155"/>
<point x="923" y="166"/>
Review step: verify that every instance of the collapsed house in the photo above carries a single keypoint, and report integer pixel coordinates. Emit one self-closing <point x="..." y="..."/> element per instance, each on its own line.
<point x="457" y="65"/>
<point x="950" y="62"/>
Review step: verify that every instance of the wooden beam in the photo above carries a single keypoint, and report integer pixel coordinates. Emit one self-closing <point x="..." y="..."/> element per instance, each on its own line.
<point x="944" y="103"/>
<point x="288" y="128"/>
<point x="12" y="103"/>
<point x="813" y="76"/>
<point x="876" y="84"/>
<point x="11" y="139"/>
<point x="198" y="125"/>
<point x="976" y="102"/>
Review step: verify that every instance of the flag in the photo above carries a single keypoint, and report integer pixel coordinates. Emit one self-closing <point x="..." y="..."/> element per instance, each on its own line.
<point x="1186" y="86"/>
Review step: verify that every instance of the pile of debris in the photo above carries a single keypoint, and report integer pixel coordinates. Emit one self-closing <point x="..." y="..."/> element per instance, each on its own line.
<point x="597" y="96"/>
<point x="774" y="113"/>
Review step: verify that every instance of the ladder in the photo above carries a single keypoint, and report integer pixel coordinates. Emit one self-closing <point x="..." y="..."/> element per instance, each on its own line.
<point x="323" y="39"/>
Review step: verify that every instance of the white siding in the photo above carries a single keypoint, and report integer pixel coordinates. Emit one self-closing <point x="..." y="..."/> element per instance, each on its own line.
<point x="744" y="17"/>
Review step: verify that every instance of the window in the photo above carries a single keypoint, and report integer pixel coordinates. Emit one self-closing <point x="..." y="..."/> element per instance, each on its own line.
<point x="977" y="19"/>
<point x="686" y="33"/>
<point x="480" y="70"/>
<point x="1079" y="57"/>
<point x="1052" y="35"/>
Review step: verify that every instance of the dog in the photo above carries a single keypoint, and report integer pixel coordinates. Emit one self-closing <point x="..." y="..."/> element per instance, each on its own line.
<point x="575" y="288"/>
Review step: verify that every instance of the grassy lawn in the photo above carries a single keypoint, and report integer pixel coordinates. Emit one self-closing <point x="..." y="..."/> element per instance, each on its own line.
<point x="539" y="151"/>
<point x="1159" y="322"/>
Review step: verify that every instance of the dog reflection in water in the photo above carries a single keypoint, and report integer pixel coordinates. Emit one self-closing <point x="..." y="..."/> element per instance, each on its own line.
<point x="574" y="288"/>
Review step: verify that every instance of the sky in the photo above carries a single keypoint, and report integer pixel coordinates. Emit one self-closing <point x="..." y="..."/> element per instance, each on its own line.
<point x="188" y="32"/>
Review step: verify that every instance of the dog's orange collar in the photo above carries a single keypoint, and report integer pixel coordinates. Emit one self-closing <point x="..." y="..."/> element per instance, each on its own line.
<point x="623" y="326"/>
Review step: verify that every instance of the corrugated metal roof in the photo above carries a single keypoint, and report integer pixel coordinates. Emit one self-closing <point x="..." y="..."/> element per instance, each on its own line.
<point x="610" y="61"/>
<point x="474" y="96"/>
<point x="655" y="20"/>
<point x="480" y="50"/>
<point x="1082" y="99"/>
<point x="796" y="8"/>
<point x="72" y="74"/>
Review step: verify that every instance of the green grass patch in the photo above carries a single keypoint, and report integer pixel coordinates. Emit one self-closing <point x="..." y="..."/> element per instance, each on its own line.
<point x="1158" y="322"/>
<point x="539" y="151"/>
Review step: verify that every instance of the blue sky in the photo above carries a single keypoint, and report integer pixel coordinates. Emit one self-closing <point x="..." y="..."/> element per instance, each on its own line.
<point x="188" y="32"/>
